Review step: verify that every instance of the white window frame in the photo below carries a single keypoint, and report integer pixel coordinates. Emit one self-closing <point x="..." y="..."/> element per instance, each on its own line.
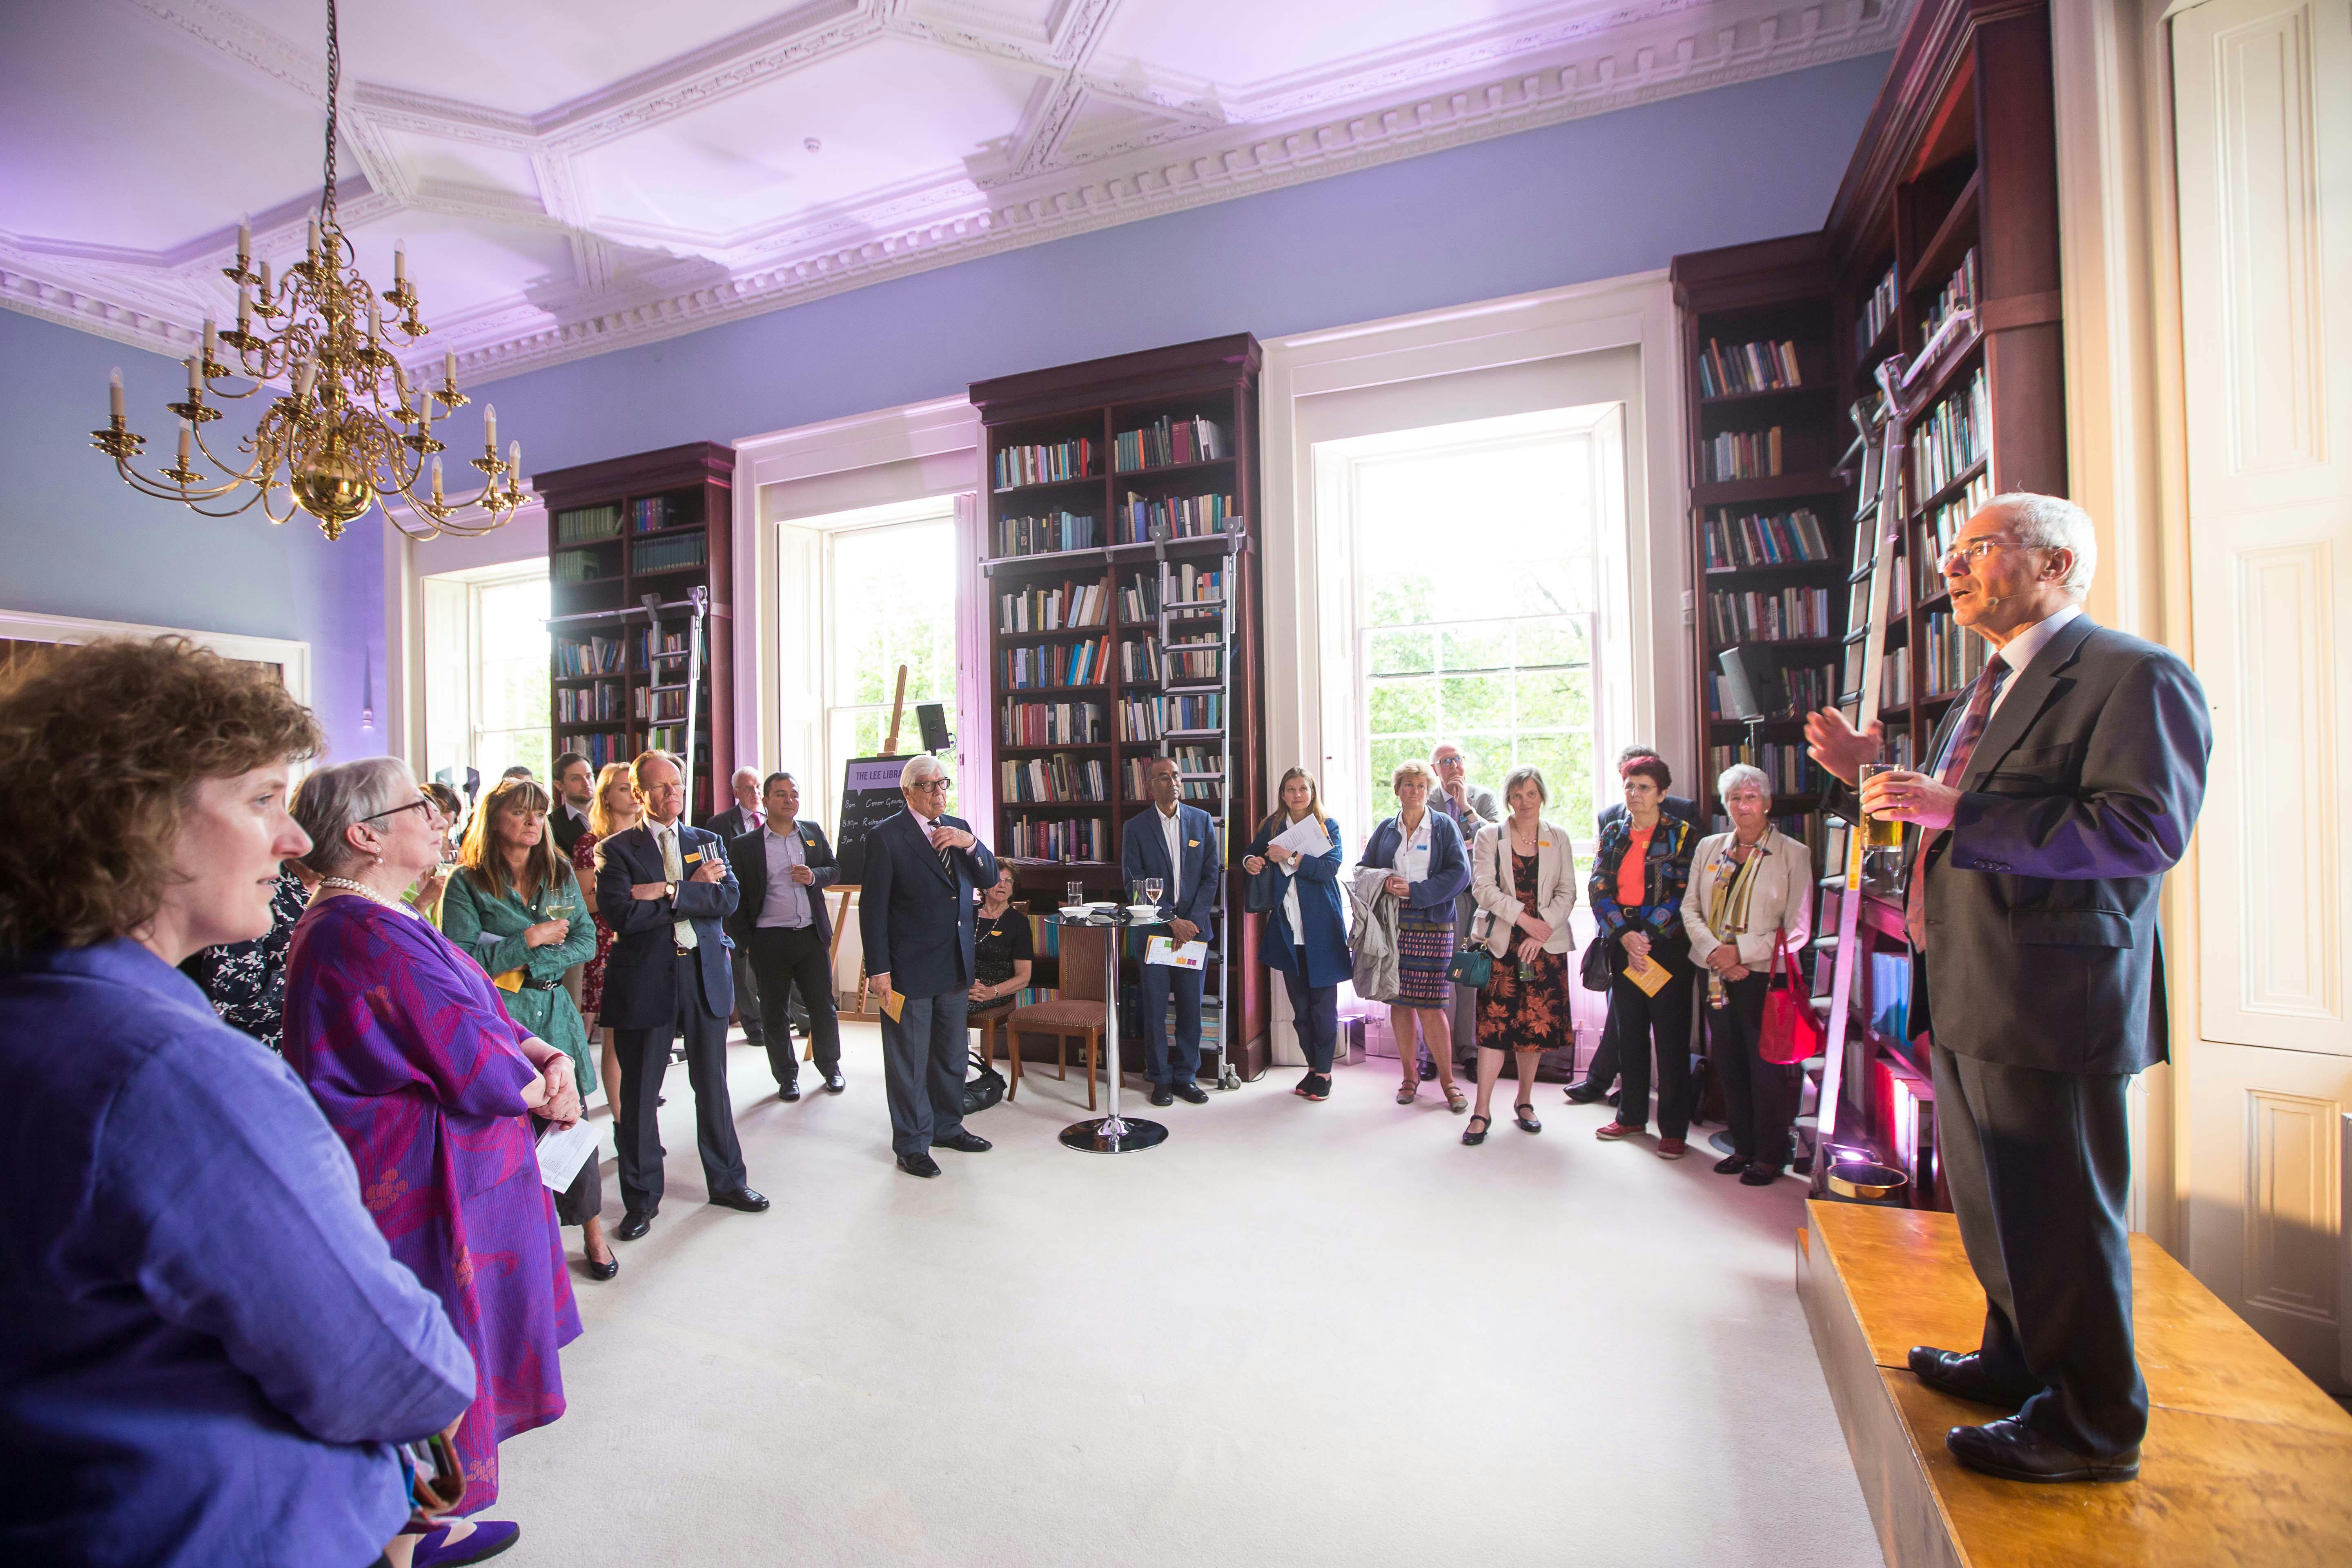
<point x="936" y="511"/>
<point x="452" y="615"/>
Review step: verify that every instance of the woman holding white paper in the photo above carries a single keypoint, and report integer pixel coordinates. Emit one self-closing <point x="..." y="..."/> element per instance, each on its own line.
<point x="1305" y="936"/>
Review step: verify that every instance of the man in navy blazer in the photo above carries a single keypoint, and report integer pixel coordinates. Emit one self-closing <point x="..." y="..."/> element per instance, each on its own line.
<point x="2060" y="787"/>
<point x="914" y="914"/>
<point x="1177" y="843"/>
<point x="664" y="888"/>
<point x="784" y="868"/>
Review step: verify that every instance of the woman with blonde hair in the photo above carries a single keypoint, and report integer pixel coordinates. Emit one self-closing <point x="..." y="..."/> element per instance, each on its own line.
<point x="1306" y="935"/>
<point x="514" y="906"/>
<point x="1427" y="866"/>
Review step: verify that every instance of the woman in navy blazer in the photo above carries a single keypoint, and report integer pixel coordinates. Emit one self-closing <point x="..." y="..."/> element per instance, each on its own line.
<point x="1424" y="851"/>
<point x="1306" y="935"/>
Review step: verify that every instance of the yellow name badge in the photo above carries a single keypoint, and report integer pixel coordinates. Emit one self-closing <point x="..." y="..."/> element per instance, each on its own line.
<point x="693" y="858"/>
<point x="1191" y="844"/>
<point x="1543" y="843"/>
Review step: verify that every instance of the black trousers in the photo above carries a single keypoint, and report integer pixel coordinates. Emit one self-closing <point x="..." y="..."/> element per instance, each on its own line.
<point x="644" y="1056"/>
<point x="789" y="960"/>
<point x="747" y="994"/>
<point x="1640" y="1018"/>
<point x="1315" y="1009"/>
<point x="1760" y="1096"/>
<point x="924" y="1057"/>
<point x="2039" y="1165"/>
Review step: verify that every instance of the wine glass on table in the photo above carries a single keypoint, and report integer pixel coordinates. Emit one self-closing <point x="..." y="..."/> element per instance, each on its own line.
<point x="1151" y="889"/>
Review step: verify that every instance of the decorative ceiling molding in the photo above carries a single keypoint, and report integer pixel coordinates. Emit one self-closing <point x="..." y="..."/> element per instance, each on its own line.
<point x="1171" y="145"/>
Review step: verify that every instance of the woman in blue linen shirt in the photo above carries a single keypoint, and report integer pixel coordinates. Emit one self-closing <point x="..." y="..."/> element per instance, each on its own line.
<point x="207" y="1354"/>
<point x="1306" y="934"/>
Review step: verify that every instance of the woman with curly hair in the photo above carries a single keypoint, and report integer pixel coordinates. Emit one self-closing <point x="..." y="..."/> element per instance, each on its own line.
<point x="404" y="1045"/>
<point x="207" y="1352"/>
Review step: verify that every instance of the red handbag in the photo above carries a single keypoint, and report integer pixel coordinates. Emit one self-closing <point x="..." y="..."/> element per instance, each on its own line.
<point x="1792" y="1032"/>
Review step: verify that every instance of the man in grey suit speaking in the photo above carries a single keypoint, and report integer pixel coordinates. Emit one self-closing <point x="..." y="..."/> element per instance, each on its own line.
<point x="2060" y="786"/>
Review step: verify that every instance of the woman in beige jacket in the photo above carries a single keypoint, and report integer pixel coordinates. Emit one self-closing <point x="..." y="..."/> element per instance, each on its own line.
<point x="1523" y="877"/>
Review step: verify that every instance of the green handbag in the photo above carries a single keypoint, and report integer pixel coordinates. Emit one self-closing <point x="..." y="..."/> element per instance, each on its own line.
<point x="1472" y="965"/>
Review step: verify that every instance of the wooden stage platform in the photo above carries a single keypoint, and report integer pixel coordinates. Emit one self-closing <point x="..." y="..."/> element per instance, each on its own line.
<point x="2246" y="1462"/>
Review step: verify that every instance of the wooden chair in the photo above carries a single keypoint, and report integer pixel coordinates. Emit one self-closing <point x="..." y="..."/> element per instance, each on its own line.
<point x="1079" y="1008"/>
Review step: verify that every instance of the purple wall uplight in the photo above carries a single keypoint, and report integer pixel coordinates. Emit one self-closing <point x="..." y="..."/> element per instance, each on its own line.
<point x="1588" y="199"/>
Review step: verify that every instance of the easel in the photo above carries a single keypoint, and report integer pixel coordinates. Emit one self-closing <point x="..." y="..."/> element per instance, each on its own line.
<point x="865" y="1008"/>
<point x="1886" y="515"/>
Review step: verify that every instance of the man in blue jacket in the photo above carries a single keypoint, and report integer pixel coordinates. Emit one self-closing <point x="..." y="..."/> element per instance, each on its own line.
<point x="1177" y="843"/>
<point x="914" y="913"/>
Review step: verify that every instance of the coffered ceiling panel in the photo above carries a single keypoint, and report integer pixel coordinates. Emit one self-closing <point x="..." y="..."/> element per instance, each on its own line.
<point x="573" y="176"/>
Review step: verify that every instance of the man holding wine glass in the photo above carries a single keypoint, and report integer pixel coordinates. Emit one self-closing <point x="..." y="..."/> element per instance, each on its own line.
<point x="2061" y="786"/>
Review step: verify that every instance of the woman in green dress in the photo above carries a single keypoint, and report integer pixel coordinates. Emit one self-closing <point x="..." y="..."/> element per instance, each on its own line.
<point x="516" y="907"/>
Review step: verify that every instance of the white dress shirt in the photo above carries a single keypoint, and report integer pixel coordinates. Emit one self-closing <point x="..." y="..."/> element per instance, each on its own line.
<point x="2022" y="650"/>
<point x="1412" y="851"/>
<point x="1172" y="830"/>
<point x="674" y="867"/>
<point x="786" y="902"/>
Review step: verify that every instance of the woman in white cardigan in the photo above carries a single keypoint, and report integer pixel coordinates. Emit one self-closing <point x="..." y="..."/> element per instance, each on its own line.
<point x="1749" y="888"/>
<point x="1523" y="878"/>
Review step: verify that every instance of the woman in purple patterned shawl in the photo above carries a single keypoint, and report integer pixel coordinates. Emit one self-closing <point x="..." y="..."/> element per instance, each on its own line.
<point x="402" y="1040"/>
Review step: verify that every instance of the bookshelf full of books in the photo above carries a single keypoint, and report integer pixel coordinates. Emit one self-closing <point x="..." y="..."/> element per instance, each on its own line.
<point x="629" y="540"/>
<point x="1941" y="247"/>
<point x="1121" y="566"/>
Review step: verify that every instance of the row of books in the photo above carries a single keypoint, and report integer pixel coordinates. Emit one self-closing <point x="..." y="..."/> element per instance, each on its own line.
<point x="1789" y="768"/>
<point x="672" y="644"/>
<point x="1192" y="664"/>
<point x="667" y="555"/>
<point x="650" y="514"/>
<point x="601" y="749"/>
<point x="1952" y="654"/>
<point x="586" y="524"/>
<point x="1044" y="464"/>
<point x="1188" y="585"/>
<point x="668" y="706"/>
<point x="1052" y="723"/>
<point x="1741" y="617"/>
<point x="597" y="704"/>
<point x="596" y="656"/>
<point x="1079" y="839"/>
<point x="1167" y="441"/>
<point x="1960" y="293"/>
<point x="1789" y="693"/>
<point x="1173" y="516"/>
<point x="1741" y="455"/>
<point x="570" y="568"/>
<point x="1150" y="718"/>
<point x="1894" y="678"/>
<point x="1764" y="366"/>
<point x="1943" y="523"/>
<point x="1756" y="539"/>
<point x="1188" y="760"/>
<point x="1898" y="598"/>
<point x="1954" y="435"/>
<point x="1059" y="777"/>
<point x="1069" y="608"/>
<point x="1041" y="535"/>
<point x="671" y="737"/>
<point x="1876" y="313"/>
<point x="1056" y="663"/>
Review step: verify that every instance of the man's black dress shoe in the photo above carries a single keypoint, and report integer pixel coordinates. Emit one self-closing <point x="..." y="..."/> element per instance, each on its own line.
<point x="918" y="1164"/>
<point x="1190" y="1093"/>
<point x="604" y="1270"/>
<point x="964" y="1142"/>
<point x="788" y="1092"/>
<point x="1964" y="1375"/>
<point x="633" y="1225"/>
<point x="743" y="1199"/>
<point x="835" y="1083"/>
<point x="1162" y="1095"/>
<point x="2010" y="1448"/>
<point x="1583" y="1093"/>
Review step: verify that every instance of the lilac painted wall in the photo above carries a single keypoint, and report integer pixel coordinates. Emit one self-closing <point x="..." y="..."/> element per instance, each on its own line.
<point x="75" y="540"/>
<point x="1593" y="198"/>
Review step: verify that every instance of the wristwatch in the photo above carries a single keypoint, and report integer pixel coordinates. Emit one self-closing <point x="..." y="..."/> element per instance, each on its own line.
<point x="673" y="891"/>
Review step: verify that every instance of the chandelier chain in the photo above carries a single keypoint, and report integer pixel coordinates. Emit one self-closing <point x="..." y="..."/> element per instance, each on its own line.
<point x="334" y="80"/>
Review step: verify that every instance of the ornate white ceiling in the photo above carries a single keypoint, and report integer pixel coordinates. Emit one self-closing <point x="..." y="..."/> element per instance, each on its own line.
<point x="562" y="196"/>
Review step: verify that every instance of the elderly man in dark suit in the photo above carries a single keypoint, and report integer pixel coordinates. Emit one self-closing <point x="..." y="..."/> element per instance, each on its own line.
<point x="664" y="888"/>
<point x="1177" y="844"/>
<point x="2061" y="787"/>
<point x="1603" y="1071"/>
<point x="781" y="920"/>
<point x="914" y="914"/>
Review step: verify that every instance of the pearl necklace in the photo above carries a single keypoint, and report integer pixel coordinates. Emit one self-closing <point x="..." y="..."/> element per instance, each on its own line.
<point x="364" y="891"/>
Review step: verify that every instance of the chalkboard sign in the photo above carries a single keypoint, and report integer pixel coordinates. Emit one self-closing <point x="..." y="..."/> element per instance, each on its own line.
<point x="869" y="797"/>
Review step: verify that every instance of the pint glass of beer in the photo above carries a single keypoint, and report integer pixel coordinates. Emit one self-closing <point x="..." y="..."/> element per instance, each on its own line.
<point x="1878" y="832"/>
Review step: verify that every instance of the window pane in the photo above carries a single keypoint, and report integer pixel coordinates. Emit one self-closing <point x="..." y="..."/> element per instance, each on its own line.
<point x="1553" y="642"/>
<point x="1485" y="757"/>
<point x="1403" y="598"/>
<point x="1399" y="705"/>
<point x="1476" y="648"/>
<point x="1555" y="698"/>
<point x="1566" y="765"/>
<point x="1386" y="755"/>
<point x="893" y="604"/>
<point x="1476" y="701"/>
<point x="514" y="675"/>
<point x="1401" y="653"/>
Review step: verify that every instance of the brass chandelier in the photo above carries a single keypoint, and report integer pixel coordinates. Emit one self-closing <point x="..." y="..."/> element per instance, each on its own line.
<point x="350" y="429"/>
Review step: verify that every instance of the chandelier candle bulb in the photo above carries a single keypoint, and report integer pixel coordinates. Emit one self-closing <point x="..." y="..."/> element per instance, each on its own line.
<point x="196" y="373"/>
<point x="490" y="428"/>
<point x="186" y="430"/>
<point x="245" y="245"/>
<point x="514" y="464"/>
<point x="212" y="340"/>
<point x="436" y="481"/>
<point x="312" y="248"/>
<point x="114" y="395"/>
<point x="245" y="311"/>
<point x="266" y="290"/>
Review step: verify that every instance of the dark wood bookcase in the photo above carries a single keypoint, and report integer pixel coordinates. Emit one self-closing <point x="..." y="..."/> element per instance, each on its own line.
<point x="1073" y="503"/>
<point x="629" y="540"/>
<point x="1942" y="246"/>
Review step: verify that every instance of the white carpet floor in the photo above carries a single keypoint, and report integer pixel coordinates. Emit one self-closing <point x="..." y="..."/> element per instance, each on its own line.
<point x="1293" y="1334"/>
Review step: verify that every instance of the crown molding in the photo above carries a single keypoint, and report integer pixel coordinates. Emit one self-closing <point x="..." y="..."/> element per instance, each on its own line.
<point x="1033" y="190"/>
